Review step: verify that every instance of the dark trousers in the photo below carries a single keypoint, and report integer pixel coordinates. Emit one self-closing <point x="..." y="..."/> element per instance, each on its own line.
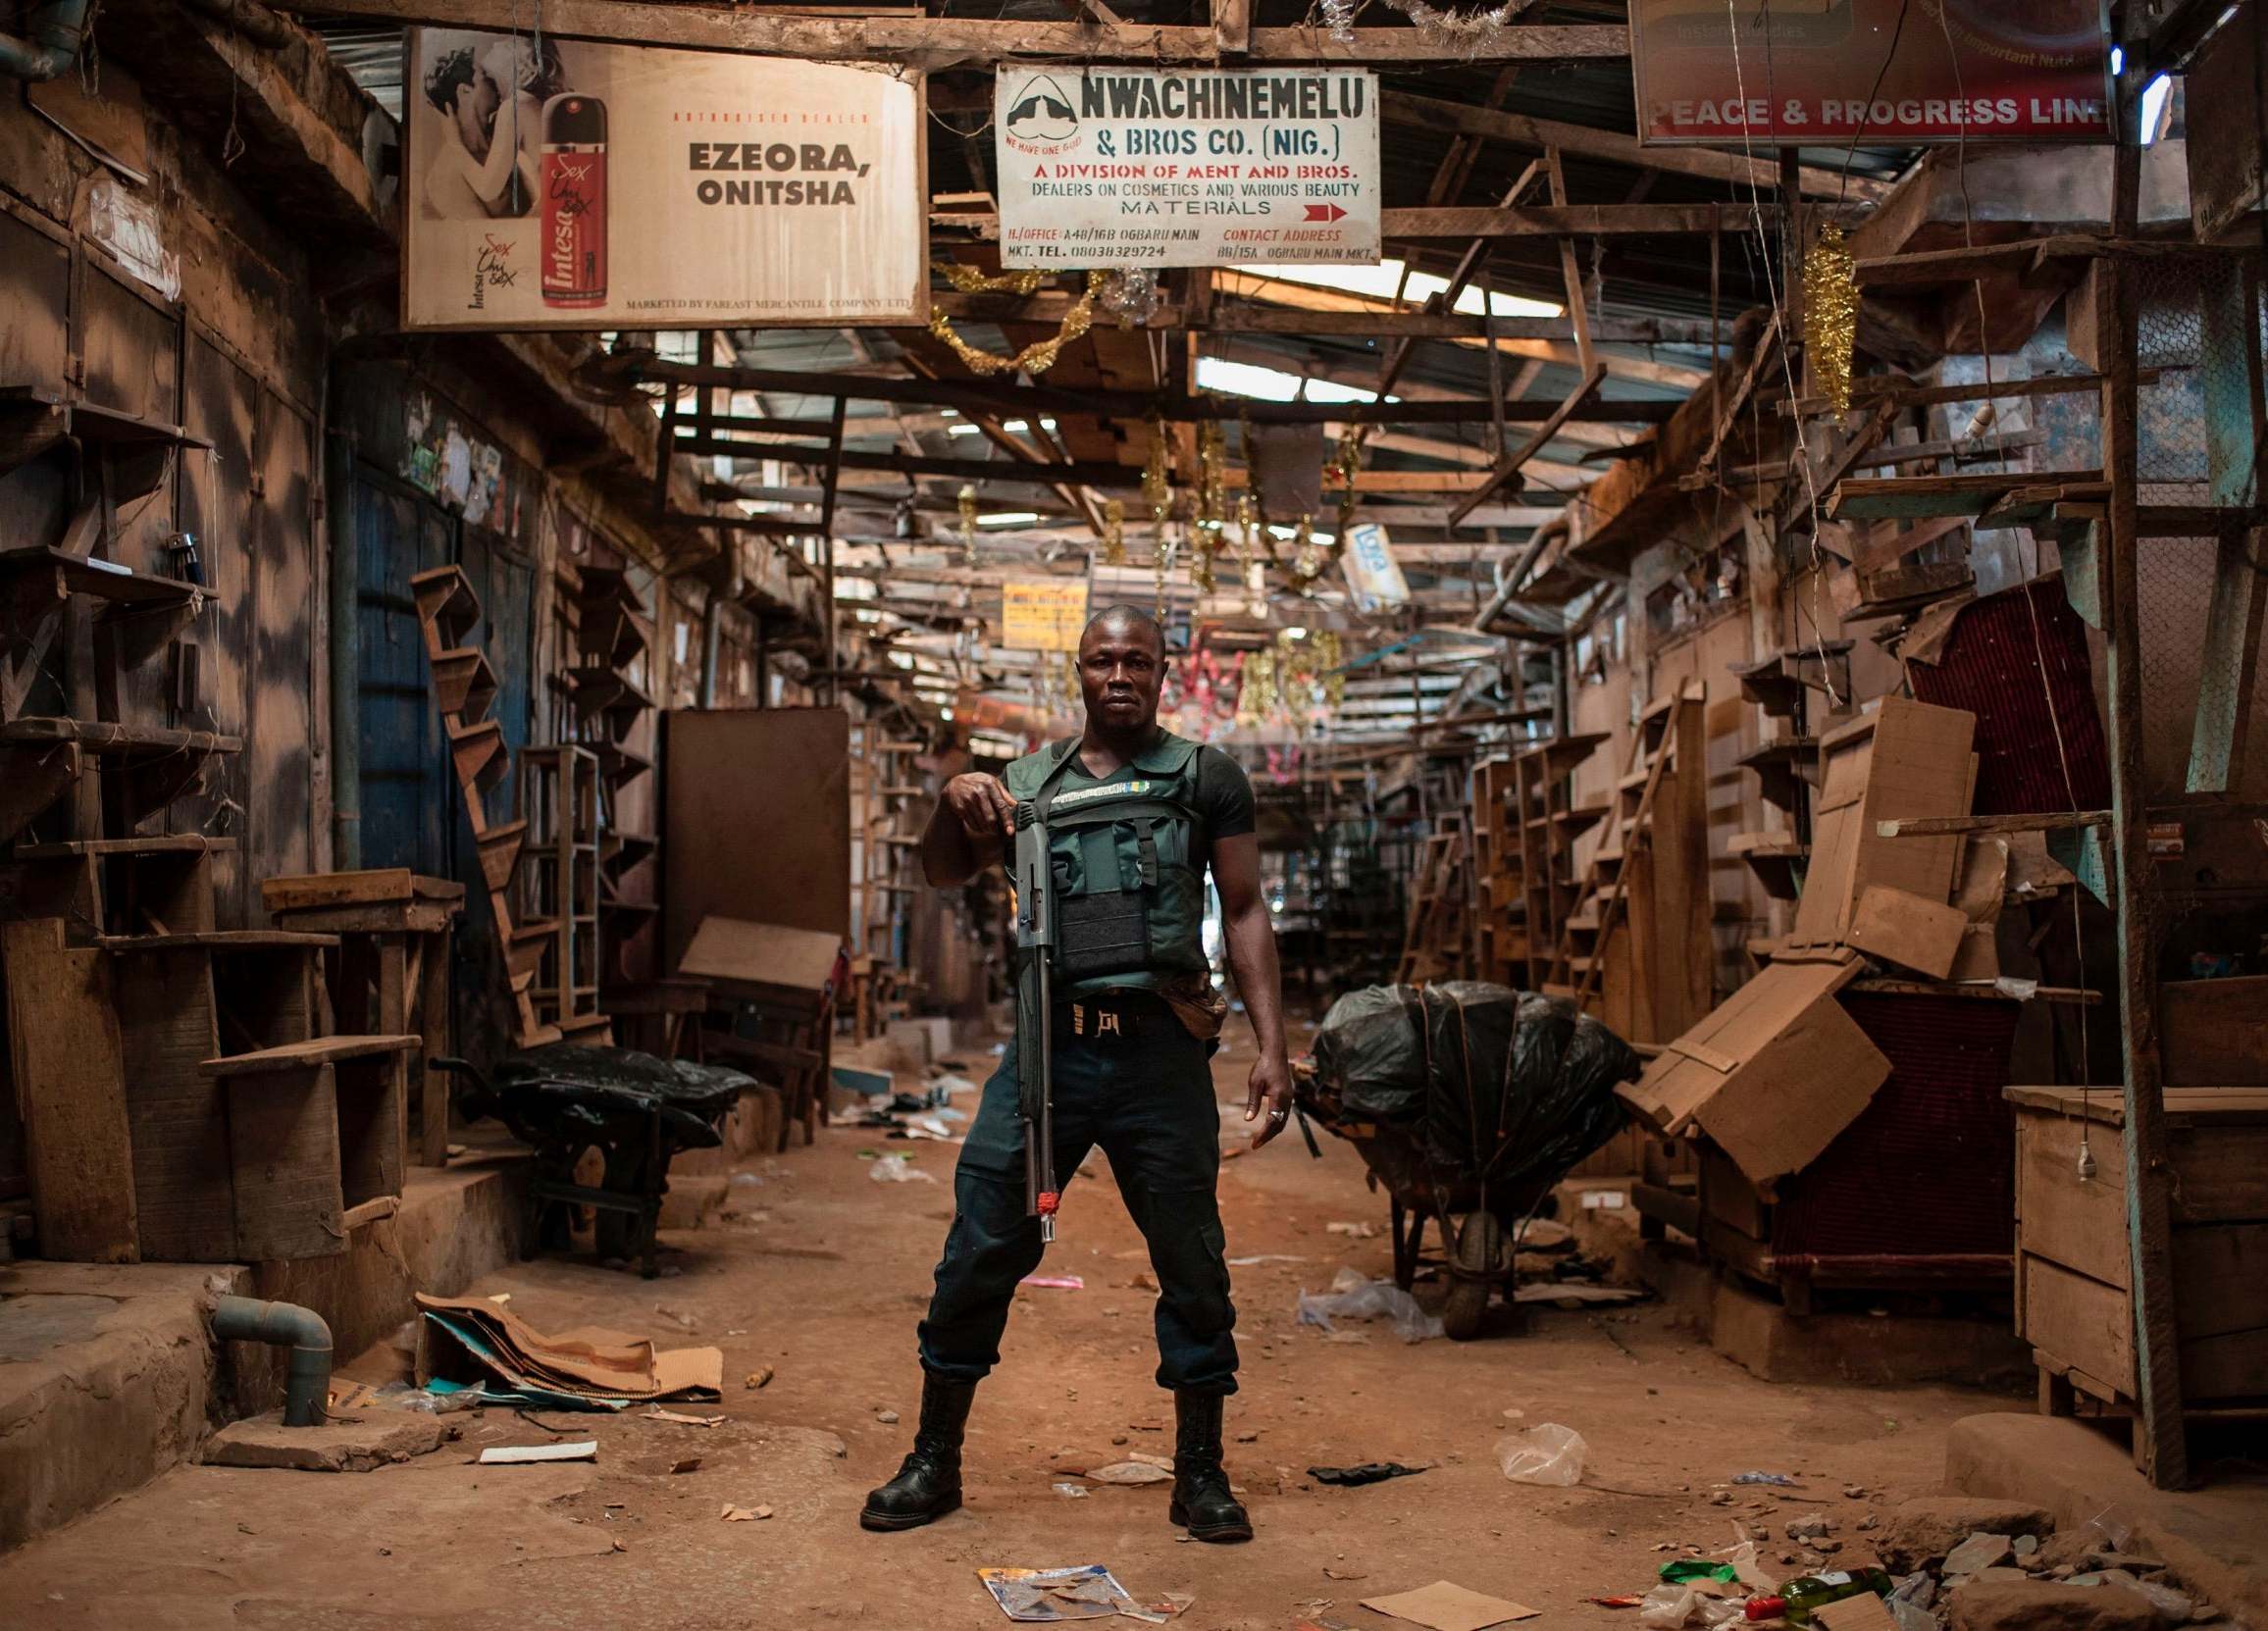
<point x="1130" y="1077"/>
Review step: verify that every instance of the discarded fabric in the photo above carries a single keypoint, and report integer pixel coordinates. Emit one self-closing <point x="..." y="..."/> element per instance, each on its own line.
<point x="1369" y="1472"/>
<point x="1054" y="1282"/>
<point x="897" y="1169"/>
<point x="520" y="1455"/>
<point x="1762" y="1478"/>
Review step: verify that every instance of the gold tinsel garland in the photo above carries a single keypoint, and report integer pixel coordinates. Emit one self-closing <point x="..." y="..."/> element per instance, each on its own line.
<point x="1830" y="314"/>
<point x="1035" y="358"/>
<point x="1115" y="531"/>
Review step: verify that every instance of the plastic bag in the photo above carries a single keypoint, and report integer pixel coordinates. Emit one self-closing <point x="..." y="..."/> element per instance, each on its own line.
<point x="897" y="1169"/>
<point x="1352" y="1296"/>
<point x="1665" y="1608"/>
<point x="1546" y="1455"/>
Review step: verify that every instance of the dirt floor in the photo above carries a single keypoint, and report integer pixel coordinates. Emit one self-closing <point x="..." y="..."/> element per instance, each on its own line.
<point x="821" y="1278"/>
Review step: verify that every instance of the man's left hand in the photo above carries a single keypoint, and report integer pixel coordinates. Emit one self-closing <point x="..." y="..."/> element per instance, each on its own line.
<point x="1269" y="1101"/>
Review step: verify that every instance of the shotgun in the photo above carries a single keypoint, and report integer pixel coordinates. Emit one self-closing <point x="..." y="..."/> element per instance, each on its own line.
<point x="1035" y="905"/>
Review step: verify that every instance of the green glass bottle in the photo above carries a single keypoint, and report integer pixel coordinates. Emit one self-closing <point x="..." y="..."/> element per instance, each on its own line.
<point x="1797" y="1598"/>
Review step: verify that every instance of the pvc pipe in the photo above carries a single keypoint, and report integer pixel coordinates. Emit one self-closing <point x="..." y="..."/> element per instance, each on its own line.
<point x="307" y="1383"/>
<point x="58" y="29"/>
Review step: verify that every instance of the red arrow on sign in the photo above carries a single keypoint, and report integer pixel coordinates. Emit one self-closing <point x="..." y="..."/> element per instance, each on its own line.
<point x="1325" y="212"/>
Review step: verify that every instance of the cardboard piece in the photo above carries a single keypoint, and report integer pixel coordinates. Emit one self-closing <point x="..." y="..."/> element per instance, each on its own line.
<point x="1983" y="884"/>
<point x="1447" y="1607"/>
<point x="764" y="962"/>
<point x="1773" y="1075"/>
<point x="476" y="1340"/>
<point x="1863" y="1613"/>
<point x="1978" y="958"/>
<point x="1904" y="759"/>
<point x="1906" y="930"/>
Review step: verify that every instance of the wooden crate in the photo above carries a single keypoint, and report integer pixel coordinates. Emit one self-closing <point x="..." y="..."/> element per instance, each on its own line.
<point x="2074" y="1303"/>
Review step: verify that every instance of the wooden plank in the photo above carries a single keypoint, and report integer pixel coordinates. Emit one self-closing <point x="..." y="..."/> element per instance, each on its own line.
<point x="936" y="43"/>
<point x="1510" y="464"/>
<point x="2076" y="1222"/>
<point x="181" y="1125"/>
<point x="1616" y="147"/>
<point x="220" y="940"/>
<point x="2042" y="821"/>
<point x="372" y="1146"/>
<point x="64" y="1055"/>
<point x="339" y="889"/>
<point x="284" y="1164"/>
<point x="433" y="1020"/>
<point x="301" y="1055"/>
<point x="2083" y="1322"/>
<point x="1562" y="221"/>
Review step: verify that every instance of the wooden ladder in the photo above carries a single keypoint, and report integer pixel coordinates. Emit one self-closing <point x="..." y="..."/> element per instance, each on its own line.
<point x="1579" y="955"/>
<point x="449" y="610"/>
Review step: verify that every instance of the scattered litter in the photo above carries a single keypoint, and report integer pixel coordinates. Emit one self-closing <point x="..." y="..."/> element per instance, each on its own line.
<point x="1330" y="1573"/>
<point x="1762" y="1478"/>
<point x="519" y="1455"/>
<point x="1148" y="1459"/>
<point x="1054" y="1282"/>
<point x="951" y="1084"/>
<point x="1546" y="1455"/>
<point x="657" y="1414"/>
<point x="1077" y="1492"/>
<point x="1265" y="1257"/>
<point x="1352" y="1296"/>
<point x="500" y="1299"/>
<point x="688" y="1463"/>
<point x="1576" y="1291"/>
<point x="1369" y="1472"/>
<point x="1680" y="1569"/>
<point x="1046" y="1595"/>
<point x="898" y="1170"/>
<point x="756" y="1378"/>
<point x="1616" y="1601"/>
<point x="887" y="1418"/>
<point x="743" y="1181"/>
<point x="1353" y="1231"/>
<point x="469" y="1342"/>
<point x="745" y="1514"/>
<point x="1978" y="1551"/>
<point x="1665" y="1608"/>
<point x="1447" y="1607"/>
<point x="678" y="1317"/>
<point x="1130" y="1472"/>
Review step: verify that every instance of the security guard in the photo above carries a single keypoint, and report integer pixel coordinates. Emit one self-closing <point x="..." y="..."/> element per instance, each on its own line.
<point x="1135" y="1020"/>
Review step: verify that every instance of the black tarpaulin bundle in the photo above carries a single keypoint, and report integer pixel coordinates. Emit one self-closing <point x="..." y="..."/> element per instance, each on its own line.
<point x="1497" y="1084"/>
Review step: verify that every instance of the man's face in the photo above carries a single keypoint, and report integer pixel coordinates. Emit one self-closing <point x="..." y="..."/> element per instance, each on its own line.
<point x="477" y="105"/>
<point x="1120" y="669"/>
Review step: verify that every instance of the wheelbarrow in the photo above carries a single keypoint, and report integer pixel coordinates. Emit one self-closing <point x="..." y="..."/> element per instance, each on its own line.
<point x="1478" y="1223"/>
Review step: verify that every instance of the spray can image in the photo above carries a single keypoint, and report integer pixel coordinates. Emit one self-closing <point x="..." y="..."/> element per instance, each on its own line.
<point x="573" y="252"/>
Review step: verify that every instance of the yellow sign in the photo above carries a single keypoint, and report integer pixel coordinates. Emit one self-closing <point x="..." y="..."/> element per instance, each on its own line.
<point x="1043" y="614"/>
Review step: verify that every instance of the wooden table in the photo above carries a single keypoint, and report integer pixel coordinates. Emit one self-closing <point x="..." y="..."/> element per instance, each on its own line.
<point x="390" y="975"/>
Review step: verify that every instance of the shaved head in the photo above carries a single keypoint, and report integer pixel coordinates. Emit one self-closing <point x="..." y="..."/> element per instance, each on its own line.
<point x="1124" y="622"/>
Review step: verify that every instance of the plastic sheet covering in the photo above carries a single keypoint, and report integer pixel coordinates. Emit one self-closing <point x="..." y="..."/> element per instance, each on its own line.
<point x="1504" y="1086"/>
<point x="563" y="1090"/>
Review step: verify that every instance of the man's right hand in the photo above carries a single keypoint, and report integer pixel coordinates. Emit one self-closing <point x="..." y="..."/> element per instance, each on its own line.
<point x="982" y="805"/>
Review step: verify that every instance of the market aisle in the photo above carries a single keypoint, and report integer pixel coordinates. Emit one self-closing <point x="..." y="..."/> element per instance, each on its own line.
<point x="822" y="1279"/>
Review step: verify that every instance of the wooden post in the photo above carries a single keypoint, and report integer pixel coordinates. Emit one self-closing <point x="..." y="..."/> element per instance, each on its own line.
<point x="434" y="1027"/>
<point x="2160" y="1446"/>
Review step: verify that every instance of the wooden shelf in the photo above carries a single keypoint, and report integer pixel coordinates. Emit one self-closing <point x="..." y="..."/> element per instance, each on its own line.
<point x="73" y="574"/>
<point x="180" y="843"/>
<point x="34" y="421"/>
<point x="304" y="1055"/>
<point x="1774" y="858"/>
<point x="1915" y="498"/>
<point x="123" y="742"/>
<point x="464" y="684"/>
<point x="447" y="606"/>
<point x="1777" y="682"/>
<point x="481" y="758"/>
<point x="1784" y="766"/>
<point x="221" y="941"/>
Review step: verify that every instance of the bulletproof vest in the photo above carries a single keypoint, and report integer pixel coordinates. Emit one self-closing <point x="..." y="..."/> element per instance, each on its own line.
<point x="1127" y="856"/>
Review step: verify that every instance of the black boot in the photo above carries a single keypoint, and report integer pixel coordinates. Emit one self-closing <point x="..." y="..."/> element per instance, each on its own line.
<point x="1202" y="1501"/>
<point x="928" y="1481"/>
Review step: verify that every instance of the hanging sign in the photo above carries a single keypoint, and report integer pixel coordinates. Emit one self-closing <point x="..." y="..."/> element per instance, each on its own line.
<point x="1373" y="577"/>
<point x="1150" y="167"/>
<point x="571" y="185"/>
<point x="1889" y="71"/>
<point x="1043" y="614"/>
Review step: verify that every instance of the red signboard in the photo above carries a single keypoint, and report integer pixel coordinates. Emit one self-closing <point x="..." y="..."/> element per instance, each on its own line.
<point x="1886" y="72"/>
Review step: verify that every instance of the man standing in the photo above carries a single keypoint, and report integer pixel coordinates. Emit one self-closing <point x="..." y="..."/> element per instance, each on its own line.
<point x="1136" y="814"/>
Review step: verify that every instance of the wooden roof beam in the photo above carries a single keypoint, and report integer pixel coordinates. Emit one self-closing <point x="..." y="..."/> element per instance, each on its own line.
<point x="939" y="41"/>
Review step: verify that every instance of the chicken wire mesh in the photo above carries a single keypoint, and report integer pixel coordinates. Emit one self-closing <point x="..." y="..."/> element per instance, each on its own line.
<point x="2196" y="318"/>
